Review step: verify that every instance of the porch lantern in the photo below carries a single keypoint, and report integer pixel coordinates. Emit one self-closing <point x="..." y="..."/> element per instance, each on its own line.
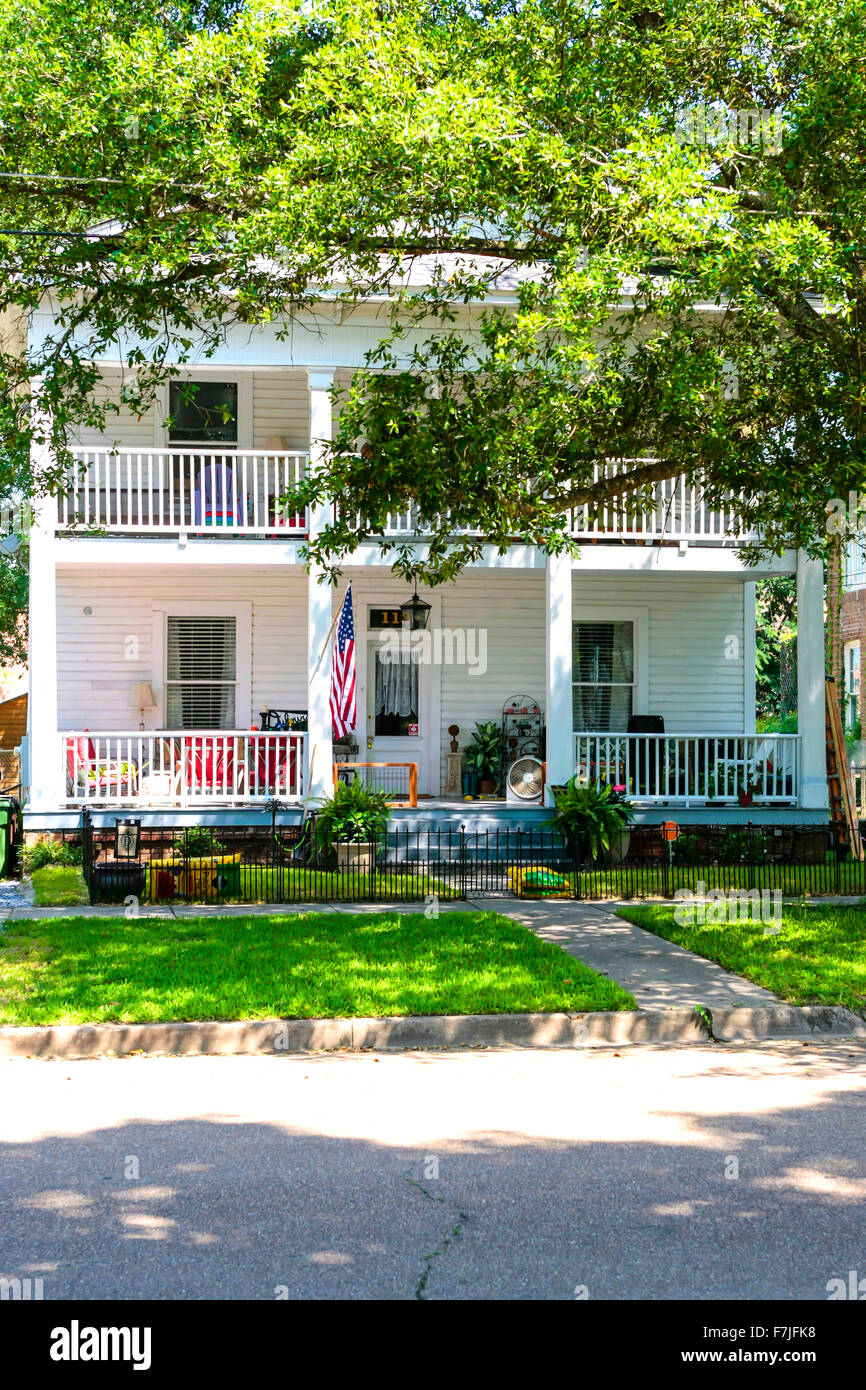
<point x="127" y="839"/>
<point x="141" y="698"/>
<point x="415" y="612"/>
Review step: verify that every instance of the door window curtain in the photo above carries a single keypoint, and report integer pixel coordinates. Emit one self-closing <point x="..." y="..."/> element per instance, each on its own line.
<point x="603" y="675"/>
<point x="397" y="684"/>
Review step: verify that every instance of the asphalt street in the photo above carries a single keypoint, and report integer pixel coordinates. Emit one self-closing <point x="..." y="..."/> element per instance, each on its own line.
<point x="654" y="1173"/>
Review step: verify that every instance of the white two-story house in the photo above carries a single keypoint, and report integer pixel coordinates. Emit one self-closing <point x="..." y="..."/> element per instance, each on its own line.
<point x="173" y="625"/>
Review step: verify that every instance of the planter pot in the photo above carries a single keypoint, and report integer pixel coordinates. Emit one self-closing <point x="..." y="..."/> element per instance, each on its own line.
<point x="356" y="856"/>
<point x="113" y="882"/>
<point x="486" y="786"/>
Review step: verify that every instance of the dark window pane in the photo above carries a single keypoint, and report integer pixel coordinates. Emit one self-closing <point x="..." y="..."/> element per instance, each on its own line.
<point x="203" y="412"/>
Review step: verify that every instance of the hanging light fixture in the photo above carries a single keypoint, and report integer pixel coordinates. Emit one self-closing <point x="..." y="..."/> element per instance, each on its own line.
<point x="415" y="612"/>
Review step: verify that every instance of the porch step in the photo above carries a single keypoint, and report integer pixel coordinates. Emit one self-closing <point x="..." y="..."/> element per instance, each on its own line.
<point x="476" y="817"/>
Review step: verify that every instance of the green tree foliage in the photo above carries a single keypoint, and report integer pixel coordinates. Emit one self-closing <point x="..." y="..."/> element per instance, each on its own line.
<point x="775" y="648"/>
<point x="669" y="282"/>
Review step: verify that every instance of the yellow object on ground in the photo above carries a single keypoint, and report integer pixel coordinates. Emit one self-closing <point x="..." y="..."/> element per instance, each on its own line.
<point x="538" y="883"/>
<point x="207" y="878"/>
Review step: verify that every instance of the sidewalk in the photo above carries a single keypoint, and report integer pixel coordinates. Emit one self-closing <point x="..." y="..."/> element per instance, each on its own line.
<point x="658" y="973"/>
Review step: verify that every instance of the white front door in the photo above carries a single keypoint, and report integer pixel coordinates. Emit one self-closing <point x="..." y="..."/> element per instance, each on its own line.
<point x="396" y="704"/>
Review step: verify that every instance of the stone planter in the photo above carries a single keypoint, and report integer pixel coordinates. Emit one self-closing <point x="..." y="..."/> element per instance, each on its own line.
<point x="356" y="856"/>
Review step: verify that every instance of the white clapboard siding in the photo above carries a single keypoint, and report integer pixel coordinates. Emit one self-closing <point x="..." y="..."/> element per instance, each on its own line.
<point x="695" y="673"/>
<point x="281" y="406"/>
<point x="96" y="652"/>
<point x="124" y="429"/>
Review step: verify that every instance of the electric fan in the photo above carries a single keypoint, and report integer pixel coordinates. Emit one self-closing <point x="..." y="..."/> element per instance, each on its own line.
<point x="524" y="781"/>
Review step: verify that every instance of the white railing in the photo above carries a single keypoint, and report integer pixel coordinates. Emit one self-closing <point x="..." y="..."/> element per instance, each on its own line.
<point x="693" y="769"/>
<point x="199" y="490"/>
<point x="678" y="512"/>
<point x="184" y="768"/>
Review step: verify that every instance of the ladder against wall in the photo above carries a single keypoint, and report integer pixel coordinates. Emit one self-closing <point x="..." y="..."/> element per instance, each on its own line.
<point x="844" y="816"/>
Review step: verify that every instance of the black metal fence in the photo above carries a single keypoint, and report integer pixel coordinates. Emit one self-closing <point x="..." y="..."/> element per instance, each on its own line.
<point x="261" y="865"/>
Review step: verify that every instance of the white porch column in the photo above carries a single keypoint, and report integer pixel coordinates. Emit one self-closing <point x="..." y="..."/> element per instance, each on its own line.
<point x="749" y="656"/>
<point x="558" y="706"/>
<point x="810" y="682"/>
<point x="320" y="753"/>
<point x="46" y="764"/>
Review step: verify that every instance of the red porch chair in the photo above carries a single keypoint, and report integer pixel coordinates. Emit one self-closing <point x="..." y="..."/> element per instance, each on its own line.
<point x="211" y="766"/>
<point x="85" y="772"/>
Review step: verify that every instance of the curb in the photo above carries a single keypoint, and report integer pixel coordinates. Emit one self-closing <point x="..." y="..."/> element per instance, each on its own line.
<point x="435" y="1031"/>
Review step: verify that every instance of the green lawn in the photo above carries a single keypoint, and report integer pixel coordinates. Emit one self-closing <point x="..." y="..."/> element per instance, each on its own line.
<point x="647" y="879"/>
<point x="261" y="884"/>
<point x="311" y="965"/>
<point x="58" y="885"/>
<point x="818" y="957"/>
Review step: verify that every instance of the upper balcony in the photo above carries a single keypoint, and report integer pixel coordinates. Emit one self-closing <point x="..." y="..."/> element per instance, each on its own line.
<point x="167" y="492"/>
<point x="210" y="492"/>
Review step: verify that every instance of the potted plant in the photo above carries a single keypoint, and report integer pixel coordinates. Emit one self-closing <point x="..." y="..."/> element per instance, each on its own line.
<point x="352" y="823"/>
<point x="591" y="817"/>
<point x="484" y="755"/>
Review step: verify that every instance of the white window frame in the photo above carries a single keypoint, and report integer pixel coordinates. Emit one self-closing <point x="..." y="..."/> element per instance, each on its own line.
<point x="852" y="695"/>
<point x="242" y="614"/>
<point x="639" y="618"/>
<point x="854" y="563"/>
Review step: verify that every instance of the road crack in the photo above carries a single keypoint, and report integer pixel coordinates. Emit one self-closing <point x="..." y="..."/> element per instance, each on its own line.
<point x="450" y="1238"/>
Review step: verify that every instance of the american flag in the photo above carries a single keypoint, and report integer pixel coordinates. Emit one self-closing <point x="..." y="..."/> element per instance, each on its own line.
<point x="344" y="714"/>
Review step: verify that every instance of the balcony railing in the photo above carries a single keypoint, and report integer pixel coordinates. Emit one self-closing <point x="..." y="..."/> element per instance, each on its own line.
<point x="182" y="768"/>
<point x="167" y="491"/>
<point x="678" y="512"/>
<point x="220" y="492"/>
<point x="694" y="769"/>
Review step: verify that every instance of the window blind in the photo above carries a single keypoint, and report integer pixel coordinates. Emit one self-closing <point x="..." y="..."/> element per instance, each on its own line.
<point x="201" y="673"/>
<point x="603" y="675"/>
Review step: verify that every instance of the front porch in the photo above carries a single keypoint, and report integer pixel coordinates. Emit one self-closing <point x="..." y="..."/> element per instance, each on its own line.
<point x="670" y="647"/>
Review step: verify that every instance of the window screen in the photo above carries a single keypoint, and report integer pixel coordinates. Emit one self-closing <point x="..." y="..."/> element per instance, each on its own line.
<point x="603" y="675"/>
<point x="203" y="412"/>
<point x="201" y="673"/>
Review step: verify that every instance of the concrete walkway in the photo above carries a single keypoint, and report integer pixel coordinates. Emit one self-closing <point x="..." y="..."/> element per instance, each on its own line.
<point x="659" y="974"/>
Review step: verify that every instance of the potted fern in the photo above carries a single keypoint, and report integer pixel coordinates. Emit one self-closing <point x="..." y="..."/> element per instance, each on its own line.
<point x="592" y="818"/>
<point x="352" y="824"/>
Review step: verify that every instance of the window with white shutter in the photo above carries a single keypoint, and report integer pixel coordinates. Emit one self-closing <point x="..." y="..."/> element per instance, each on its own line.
<point x="603" y="674"/>
<point x="201" y="673"/>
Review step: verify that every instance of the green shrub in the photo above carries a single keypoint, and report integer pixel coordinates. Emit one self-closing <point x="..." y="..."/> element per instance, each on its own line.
<point x="197" y="842"/>
<point x="50" y="852"/>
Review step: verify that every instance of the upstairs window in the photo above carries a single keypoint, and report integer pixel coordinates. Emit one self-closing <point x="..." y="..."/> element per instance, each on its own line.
<point x="201" y="673"/>
<point x="203" y="412"/>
